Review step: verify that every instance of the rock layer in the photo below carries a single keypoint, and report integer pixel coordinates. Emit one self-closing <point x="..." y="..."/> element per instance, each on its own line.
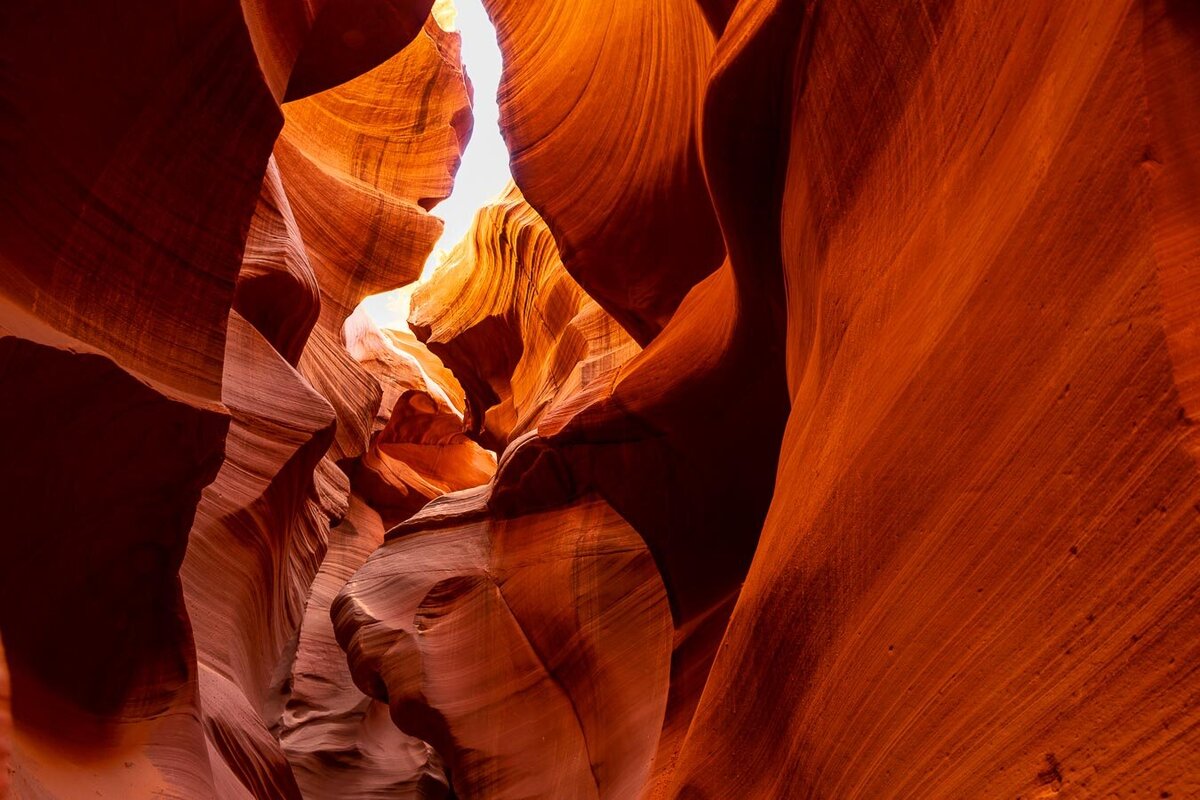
<point x="979" y="572"/>
<point x="172" y="356"/>
<point x="562" y="626"/>
<point x="839" y="362"/>
<point x="341" y="743"/>
<point x="511" y="324"/>
<point x="597" y="102"/>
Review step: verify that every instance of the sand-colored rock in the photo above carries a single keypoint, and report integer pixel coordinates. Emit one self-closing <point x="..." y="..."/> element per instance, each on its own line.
<point x="361" y="165"/>
<point x="511" y="324"/>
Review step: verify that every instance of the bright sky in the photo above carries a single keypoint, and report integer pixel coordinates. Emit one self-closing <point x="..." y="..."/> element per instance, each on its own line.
<point x="484" y="170"/>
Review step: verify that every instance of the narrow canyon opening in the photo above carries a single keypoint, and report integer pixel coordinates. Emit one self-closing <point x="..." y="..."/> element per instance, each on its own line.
<point x="804" y="407"/>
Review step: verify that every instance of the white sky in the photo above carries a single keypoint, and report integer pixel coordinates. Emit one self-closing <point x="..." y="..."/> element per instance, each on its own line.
<point x="483" y="173"/>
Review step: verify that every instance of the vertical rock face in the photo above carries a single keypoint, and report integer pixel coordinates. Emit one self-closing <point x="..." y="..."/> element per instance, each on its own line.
<point x="978" y="577"/>
<point x="171" y="304"/>
<point x="503" y="641"/>
<point x="339" y="742"/>
<point x="5" y="724"/>
<point x="813" y="417"/>
<point x="597" y="103"/>
<point x="419" y="450"/>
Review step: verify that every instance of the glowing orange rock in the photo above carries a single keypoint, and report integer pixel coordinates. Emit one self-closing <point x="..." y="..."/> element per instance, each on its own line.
<point x="510" y="323"/>
<point x="418" y="450"/>
<point x="979" y="575"/>
<point x="265" y="523"/>
<point x="603" y="144"/>
<point x="122" y="255"/>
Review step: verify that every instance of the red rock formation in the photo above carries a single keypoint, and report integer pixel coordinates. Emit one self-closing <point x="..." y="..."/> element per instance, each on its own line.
<point x="121" y="233"/>
<point x="843" y="383"/>
<point x="120" y="253"/>
<point x="5" y="725"/>
<point x="597" y="102"/>
<point x="562" y="625"/>
<point x="419" y="450"/>
<point x="510" y="323"/>
<point x="265" y="522"/>
<point x="340" y="742"/>
<point x="980" y="570"/>
<point x="627" y="432"/>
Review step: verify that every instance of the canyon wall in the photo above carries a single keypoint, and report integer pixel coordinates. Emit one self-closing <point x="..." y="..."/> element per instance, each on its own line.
<point x="184" y="411"/>
<point x="814" y="416"/>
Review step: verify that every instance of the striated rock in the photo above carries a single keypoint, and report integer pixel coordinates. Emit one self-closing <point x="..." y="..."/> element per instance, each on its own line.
<point x="648" y="433"/>
<point x="277" y="290"/>
<point x="118" y="255"/>
<point x="597" y="104"/>
<point x="121" y="688"/>
<point x="839" y="361"/>
<point x="498" y="641"/>
<point x="266" y="524"/>
<point x="418" y="451"/>
<point x="251" y="529"/>
<point x="510" y="323"/>
<point x="340" y="742"/>
<point x="363" y="163"/>
<point x="979" y="574"/>
<point x="156" y="292"/>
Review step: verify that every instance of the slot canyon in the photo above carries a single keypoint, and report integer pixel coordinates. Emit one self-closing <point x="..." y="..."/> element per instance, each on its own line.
<point x="810" y="415"/>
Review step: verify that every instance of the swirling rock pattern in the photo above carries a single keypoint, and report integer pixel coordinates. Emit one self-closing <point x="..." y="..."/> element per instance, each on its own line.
<point x="170" y="323"/>
<point x="499" y="641"/>
<point x="839" y="361"/>
<point x="340" y="742"/>
<point x="978" y="577"/>
<point x="418" y="450"/>
<point x="597" y="103"/>
<point x="511" y="324"/>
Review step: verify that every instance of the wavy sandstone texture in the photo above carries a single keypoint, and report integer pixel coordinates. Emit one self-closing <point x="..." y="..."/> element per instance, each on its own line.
<point x="191" y="297"/>
<point x="814" y="416"/>
<point x="511" y="324"/>
<point x="979" y="573"/>
<point x="597" y="103"/>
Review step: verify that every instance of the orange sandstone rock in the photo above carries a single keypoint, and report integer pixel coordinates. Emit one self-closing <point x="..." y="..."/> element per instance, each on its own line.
<point x="978" y="577"/>
<point x="418" y="450"/>
<point x="5" y="725"/>
<point x="510" y="323"/>
<point x="155" y="293"/>
<point x="533" y="653"/>
<point x="340" y="742"/>
<point x="597" y="104"/>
